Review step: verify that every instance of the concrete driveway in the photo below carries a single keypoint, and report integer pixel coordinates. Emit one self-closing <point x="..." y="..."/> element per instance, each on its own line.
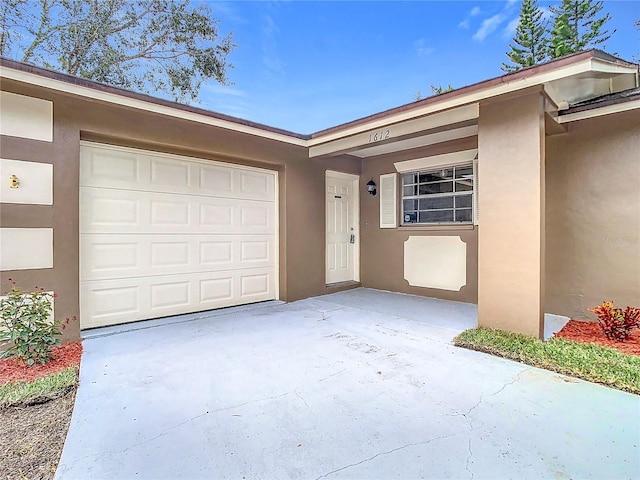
<point x="358" y="384"/>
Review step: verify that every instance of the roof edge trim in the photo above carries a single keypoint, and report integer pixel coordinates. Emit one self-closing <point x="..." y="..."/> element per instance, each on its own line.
<point x="59" y="82"/>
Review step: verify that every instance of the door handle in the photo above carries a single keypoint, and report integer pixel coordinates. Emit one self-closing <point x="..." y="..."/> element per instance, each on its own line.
<point x="352" y="238"/>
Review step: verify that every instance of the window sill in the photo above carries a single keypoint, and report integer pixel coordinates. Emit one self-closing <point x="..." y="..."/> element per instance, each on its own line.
<point x="444" y="226"/>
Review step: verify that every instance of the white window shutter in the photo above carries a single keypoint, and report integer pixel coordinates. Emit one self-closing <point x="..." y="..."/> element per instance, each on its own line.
<point x="476" y="185"/>
<point x="388" y="200"/>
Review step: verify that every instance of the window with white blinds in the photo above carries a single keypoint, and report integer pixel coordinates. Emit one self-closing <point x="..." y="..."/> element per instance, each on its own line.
<point x="439" y="196"/>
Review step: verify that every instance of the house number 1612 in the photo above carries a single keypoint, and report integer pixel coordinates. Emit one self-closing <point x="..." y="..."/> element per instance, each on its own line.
<point x="377" y="136"/>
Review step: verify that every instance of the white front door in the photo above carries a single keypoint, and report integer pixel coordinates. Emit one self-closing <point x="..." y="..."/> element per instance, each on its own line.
<point x="342" y="250"/>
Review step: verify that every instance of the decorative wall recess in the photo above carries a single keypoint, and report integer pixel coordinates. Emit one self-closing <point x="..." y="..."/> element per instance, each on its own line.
<point x="26" y="248"/>
<point x="28" y="183"/>
<point x="26" y="117"/>
<point x="435" y="262"/>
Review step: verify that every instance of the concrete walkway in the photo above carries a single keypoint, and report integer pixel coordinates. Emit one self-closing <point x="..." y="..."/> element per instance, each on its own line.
<point x="358" y="384"/>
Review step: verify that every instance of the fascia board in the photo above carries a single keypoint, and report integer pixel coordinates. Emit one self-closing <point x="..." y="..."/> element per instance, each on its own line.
<point x="598" y="112"/>
<point x="456" y="115"/>
<point x="112" y="98"/>
<point x="456" y="101"/>
<point x="606" y="67"/>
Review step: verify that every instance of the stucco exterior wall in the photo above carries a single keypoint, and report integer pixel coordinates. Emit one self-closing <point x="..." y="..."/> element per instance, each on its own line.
<point x="593" y="215"/>
<point x="511" y="166"/>
<point x="301" y="188"/>
<point x="382" y="249"/>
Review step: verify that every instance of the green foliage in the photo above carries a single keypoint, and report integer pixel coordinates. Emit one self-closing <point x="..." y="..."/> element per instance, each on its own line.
<point x="26" y="331"/>
<point x="144" y="45"/>
<point x="589" y="362"/>
<point x="47" y="387"/>
<point x="530" y="43"/>
<point x="435" y="90"/>
<point x="616" y="323"/>
<point x="576" y="27"/>
<point x="439" y="89"/>
<point x="11" y="17"/>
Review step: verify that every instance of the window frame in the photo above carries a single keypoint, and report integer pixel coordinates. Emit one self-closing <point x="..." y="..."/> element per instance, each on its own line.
<point x="453" y="194"/>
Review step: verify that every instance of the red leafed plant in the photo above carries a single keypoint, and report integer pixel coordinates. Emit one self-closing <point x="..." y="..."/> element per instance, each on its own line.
<point x="617" y="323"/>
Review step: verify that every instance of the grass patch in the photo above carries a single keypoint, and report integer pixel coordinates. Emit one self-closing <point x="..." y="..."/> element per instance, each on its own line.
<point x="40" y="390"/>
<point x="586" y="361"/>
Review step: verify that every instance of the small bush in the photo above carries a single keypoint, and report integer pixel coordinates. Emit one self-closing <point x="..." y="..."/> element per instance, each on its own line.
<point x="26" y="331"/>
<point x="616" y="323"/>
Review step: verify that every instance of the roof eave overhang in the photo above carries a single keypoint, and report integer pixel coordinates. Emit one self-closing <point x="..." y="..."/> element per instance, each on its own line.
<point x="139" y="102"/>
<point x="455" y="110"/>
<point x="448" y="107"/>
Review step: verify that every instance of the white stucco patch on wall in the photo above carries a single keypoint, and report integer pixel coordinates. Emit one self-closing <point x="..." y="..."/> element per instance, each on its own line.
<point x="435" y="262"/>
<point x="26" y="248"/>
<point x="26" y="117"/>
<point x="35" y="182"/>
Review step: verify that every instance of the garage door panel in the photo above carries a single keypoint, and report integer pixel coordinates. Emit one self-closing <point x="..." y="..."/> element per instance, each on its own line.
<point x="173" y="212"/>
<point x="255" y="284"/>
<point x="174" y="174"/>
<point x="172" y="294"/>
<point x="115" y="211"/>
<point x="106" y="166"/>
<point x="126" y="256"/>
<point x="162" y="235"/>
<point x="216" y="253"/>
<point x="110" y="302"/>
<point x="216" y="180"/>
<point x="173" y="254"/>
<point x="102" y="304"/>
<point x="101" y="257"/>
<point x="216" y="290"/>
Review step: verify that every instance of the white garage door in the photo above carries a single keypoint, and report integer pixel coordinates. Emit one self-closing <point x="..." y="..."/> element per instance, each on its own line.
<point x="162" y="235"/>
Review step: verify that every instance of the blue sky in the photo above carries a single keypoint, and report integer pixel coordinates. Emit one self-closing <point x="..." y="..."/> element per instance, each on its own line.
<point x="306" y="65"/>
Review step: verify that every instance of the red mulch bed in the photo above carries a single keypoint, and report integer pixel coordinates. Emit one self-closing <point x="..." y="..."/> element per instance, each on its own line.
<point x="590" y="332"/>
<point x="64" y="356"/>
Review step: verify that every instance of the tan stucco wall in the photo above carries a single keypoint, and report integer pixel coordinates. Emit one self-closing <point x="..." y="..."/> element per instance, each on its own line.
<point x="511" y="202"/>
<point x="382" y="249"/>
<point x="593" y="206"/>
<point x="62" y="216"/>
<point x="593" y="215"/>
<point x="301" y="183"/>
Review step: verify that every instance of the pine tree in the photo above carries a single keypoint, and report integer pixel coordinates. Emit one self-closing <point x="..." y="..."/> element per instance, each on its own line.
<point x="576" y="27"/>
<point x="530" y="44"/>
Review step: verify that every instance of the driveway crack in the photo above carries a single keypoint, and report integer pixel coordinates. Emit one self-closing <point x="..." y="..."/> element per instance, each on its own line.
<point x="332" y="375"/>
<point x="477" y="404"/>
<point x="384" y="453"/>
<point x="315" y="428"/>
<point x="178" y="425"/>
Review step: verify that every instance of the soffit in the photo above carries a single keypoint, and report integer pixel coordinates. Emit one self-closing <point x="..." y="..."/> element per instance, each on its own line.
<point x="578" y="78"/>
<point x="601" y="79"/>
<point x="567" y="80"/>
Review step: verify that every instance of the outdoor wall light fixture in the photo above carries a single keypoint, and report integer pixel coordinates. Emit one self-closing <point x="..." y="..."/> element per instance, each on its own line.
<point x="371" y="187"/>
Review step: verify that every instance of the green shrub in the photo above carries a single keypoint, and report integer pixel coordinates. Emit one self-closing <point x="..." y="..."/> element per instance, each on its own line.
<point x="26" y="331"/>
